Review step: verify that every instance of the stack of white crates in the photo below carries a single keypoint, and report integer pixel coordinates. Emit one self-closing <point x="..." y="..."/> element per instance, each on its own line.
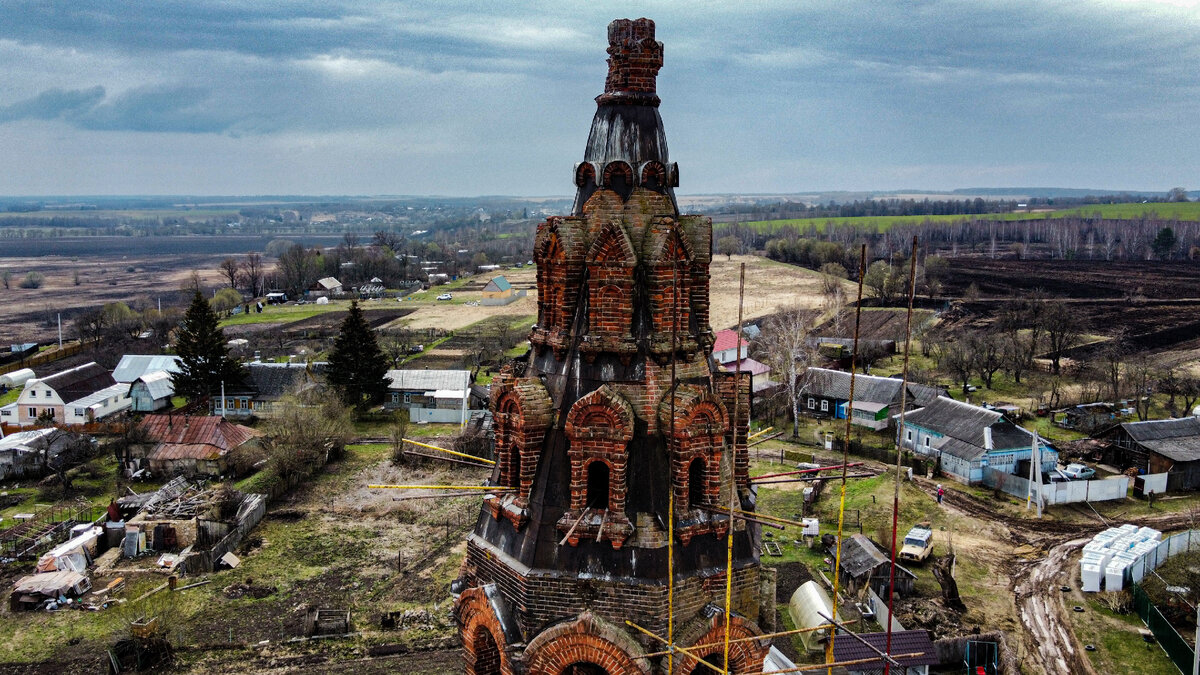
<point x="1109" y="554"/>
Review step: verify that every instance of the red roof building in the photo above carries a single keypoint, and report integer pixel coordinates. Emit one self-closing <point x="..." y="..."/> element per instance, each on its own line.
<point x="727" y="348"/>
<point x="187" y="444"/>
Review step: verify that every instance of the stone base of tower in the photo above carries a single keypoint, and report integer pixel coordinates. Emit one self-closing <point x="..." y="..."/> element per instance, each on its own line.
<point x="588" y="644"/>
<point x="511" y="620"/>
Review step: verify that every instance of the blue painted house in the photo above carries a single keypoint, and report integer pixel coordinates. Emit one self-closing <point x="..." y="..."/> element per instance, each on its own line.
<point x="968" y="438"/>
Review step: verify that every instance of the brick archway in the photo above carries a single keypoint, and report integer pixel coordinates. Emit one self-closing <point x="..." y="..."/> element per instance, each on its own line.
<point x="744" y="657"/>
<point x="587" y="641"/>
<point x="481" y="635"/>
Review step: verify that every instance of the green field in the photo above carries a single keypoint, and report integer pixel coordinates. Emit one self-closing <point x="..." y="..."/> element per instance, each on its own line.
<point x="1168" y="210"/>
<point x="286" y="313"/>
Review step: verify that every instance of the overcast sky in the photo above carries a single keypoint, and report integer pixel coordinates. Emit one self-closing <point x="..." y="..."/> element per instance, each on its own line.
<point x="470" y="98"/>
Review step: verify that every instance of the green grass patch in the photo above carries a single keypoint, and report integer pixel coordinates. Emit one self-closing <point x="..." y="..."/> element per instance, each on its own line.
<point x="10" y="396"/>
<point x="285" y="313"/>
<point x="1164" y="210"/>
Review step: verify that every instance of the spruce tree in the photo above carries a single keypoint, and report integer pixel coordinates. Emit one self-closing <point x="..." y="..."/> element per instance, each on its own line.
<point x="204" y="356"/>
<point x="357" y="367"/>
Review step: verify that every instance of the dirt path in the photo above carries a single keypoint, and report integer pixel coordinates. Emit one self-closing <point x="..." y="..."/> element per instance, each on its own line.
<point x="1048" y="644"/>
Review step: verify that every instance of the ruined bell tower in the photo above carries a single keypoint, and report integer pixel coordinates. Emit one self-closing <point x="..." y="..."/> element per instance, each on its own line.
<point x="617" y="435"/>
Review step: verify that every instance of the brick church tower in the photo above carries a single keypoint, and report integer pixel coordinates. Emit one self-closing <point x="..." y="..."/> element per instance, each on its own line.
<point x="617" y="413"/>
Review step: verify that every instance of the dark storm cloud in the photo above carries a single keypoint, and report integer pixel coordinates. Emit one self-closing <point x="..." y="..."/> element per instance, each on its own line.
<point x="762" y="96"/>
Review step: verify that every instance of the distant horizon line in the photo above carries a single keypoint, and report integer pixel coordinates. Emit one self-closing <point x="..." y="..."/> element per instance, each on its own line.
<point x="995" y="191"/>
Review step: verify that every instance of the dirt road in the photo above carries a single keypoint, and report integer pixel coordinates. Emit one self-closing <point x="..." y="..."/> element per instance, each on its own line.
<point x="1048" y="643"/>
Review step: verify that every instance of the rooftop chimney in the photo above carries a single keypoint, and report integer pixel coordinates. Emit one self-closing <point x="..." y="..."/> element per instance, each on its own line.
<point x="634" y="58"/>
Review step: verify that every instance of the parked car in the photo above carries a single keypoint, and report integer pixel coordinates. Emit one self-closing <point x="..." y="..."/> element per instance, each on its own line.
<point x="918" y="543"/>
<point x="445" y="296"/>
<point x="1079" y="472"/>
<point x="1057" y="476"/>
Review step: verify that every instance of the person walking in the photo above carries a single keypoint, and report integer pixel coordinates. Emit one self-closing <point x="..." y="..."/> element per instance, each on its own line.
<point x="940" y="493"/>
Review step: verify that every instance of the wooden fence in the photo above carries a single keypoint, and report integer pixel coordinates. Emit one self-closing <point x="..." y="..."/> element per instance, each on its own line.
<point x="249" y="514"/>
<point x="42" y="358"/>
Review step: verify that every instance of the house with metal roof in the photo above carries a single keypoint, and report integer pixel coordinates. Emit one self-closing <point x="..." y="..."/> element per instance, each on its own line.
<point x="1159" y="446"/>
<point x="432" y="395"/>
<point x="49" y="396"/>
<point x="966" y="439"/>
<point x="152" y="391"/>
<point x="185" y="444"/>
<point x="728" y="348"/>
<point x="99" y="405"/>
<point x="499" y="291"/>
<point x="826" y="393"/>
<point x="264" y="386"/>
<point x="903" y="642"/>
<point x="133" y="366"/>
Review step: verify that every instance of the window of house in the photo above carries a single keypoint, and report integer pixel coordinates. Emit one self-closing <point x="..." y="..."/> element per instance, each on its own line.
<point x="33" y="412"/>
<point x="33" y="393"/>
<point x="79" y="412"/>
<point x="824" y="406"/>
<point x="812" y="403"/>
<point x="927" y="441"/>
<point x="407" y="397"/>
<point x="908" y="436"/>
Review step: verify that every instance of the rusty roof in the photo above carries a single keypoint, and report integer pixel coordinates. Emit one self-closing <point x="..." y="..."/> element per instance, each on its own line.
<point x="185" y="436"/>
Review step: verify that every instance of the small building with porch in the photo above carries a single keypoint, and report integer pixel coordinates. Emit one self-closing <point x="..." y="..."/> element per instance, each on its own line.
<point x="826" y="394"/>
<point x="966" y="439"/>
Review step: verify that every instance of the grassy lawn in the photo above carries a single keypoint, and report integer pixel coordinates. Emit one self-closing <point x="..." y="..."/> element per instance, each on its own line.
<point x="285" y="313"/>
<point x="10" y="396"/>
<point x="1119" y="645"/>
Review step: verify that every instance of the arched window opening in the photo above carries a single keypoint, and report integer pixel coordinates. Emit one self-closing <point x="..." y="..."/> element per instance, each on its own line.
<point x="716" y="659"/>
<point x="514" y="467"/>
<point x="696" y="483"/>
<point x="487" y="653"/>
<point x="597" y="485"/>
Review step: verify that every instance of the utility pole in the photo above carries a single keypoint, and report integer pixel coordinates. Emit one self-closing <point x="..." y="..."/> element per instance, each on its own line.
<point x="60" y="330"/>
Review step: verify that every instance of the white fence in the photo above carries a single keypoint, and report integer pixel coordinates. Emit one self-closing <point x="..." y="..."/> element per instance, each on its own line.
<point x="441" y="415"/>
<point x="1166" y="549"/>
<point x="1060" y="493"/>
<point x="881" y="611"/>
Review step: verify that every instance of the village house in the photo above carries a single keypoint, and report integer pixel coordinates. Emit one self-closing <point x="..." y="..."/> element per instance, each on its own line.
<point x="184" y="444"/>
<point x="52" y="397"/>
<point x="152" y="392"/>
<point x="25" y="454"/>
<point x="133" y="366"/>
<point x="727" y="348"/>
<point x="967" y="439"/>
<point x="499" y="291"/>
<point x="432" y="395"/>
<point x="1158" y="446"/>
<point x="826" y="394"/>
<point x="264" y="386"/>
<point x="325" y="287"/>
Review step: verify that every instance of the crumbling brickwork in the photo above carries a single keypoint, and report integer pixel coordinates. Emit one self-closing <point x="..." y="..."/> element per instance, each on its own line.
<point x="617" y="431"/>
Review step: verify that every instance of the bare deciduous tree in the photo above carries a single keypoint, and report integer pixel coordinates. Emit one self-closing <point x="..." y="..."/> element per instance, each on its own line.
<point x="1064" y="329"/>
<point x="231" y="270"/>
<point x="785" y="339"/>
<point x="253" y="272"/>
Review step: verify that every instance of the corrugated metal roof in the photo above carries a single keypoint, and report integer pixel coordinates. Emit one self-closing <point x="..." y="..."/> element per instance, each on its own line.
<point x="118" y="389"/>
<point x="158" y="384"/>
<point x="747" y="366"/>
<point x="836" y="384"/>
<point x="209" y="430"/>
<point x="133" y="366"/>
<point x="727" y="339"/>
<point x="428" y="380"/>
<point x="169" y="451"/>
<point x="497" y="284"/>
<point x="77" y="382"/>
<point x="903" y="642"/>
<point x="329" y="283"/>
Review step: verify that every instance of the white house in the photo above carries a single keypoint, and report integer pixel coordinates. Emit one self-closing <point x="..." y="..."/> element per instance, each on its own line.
<point x="97" y="406"/>
<point x="50" y="395"/>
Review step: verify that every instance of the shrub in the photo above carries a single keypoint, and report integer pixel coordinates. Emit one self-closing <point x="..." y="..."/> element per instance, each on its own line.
<point x="33" y="280"/>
